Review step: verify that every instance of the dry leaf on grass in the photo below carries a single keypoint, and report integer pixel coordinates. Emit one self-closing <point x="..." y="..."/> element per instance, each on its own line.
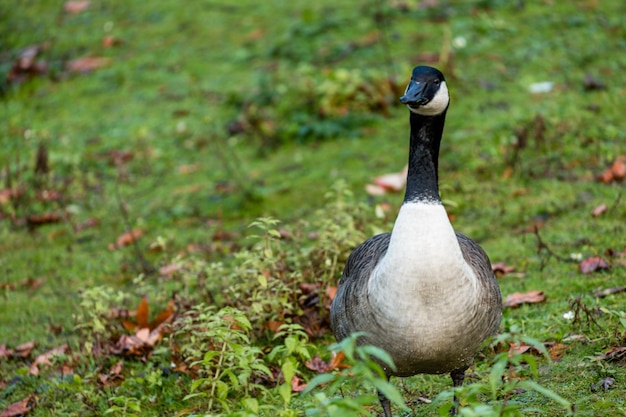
<point x="75" y="6"/>
<point x="87" y="224"/>
<point x="114" y="376"/>
<point x="331" y="291"/>
<point x="87" y="64"/>
<point x="111" y="41"/>
<point x="139" y="344"/>
<point x="297" y="384"/>
<point x="555" y="350"/>
<point x="147" y="333"/>
<point x="27" y="65"/>
<point x="20" y="408"/>
<point x="518" y="298"/>
<point x="616" y="172"/>
<point x="45" y="218"/>
<point x="273" y="325"/>
<point x="142" y="316"/>
<point x="501" y="269"/>
<point x="393" y="182"/>
<point x="169" y="270"/>
<point x="599" y="210"/>
<point x="44" y="358"/>
<point x="593" y="264"/>
<point x="375" y="190"/>
<point x="22" y="351"/>
<point x="613" y="354"/>
<point x="126" y="239"/>
<point x="317" y="364"/>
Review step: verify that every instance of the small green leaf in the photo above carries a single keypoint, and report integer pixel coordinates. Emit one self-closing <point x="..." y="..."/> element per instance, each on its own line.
<point x="378" y="354"/>
<point x="289" y="370"/>
<point x="285" y="391"/>
<point x="318" y="380"/>
<point x="251" y="404"/>
<point x="390" y="392"/>
<point x="262" y="281"/>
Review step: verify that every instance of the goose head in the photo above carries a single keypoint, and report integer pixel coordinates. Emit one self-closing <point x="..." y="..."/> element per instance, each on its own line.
<point x="427" y="93"/>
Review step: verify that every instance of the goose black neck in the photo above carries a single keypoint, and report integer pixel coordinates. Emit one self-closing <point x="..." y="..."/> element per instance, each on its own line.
<point x="426" y="132"/>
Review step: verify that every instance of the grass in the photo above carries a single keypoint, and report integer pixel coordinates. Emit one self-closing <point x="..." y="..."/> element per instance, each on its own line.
<point x="231" y="112"/>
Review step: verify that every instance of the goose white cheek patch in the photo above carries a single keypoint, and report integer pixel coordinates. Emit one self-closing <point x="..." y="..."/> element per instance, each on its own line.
<point x="435" y="106"/>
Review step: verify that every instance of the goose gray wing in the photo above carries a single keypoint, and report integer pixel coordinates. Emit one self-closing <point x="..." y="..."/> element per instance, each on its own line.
<point x="490" y="297"/>
<point x="352" y="289"/>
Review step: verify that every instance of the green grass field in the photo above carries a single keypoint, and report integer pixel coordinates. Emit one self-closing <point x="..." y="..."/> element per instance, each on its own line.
<point x="188" y="121"/>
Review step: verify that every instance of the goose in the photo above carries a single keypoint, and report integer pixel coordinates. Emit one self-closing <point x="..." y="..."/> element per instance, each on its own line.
<point x="423" y="293"/>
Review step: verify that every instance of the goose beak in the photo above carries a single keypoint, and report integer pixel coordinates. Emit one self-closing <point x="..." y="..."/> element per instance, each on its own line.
<point x="414" y="94"/>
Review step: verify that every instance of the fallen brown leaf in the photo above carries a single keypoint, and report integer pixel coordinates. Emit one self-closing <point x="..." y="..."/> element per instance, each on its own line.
<point x="44" y="358"/>
<point x="113" y="376"/>
<point x="143" y="312"/>
<point x="501" y="269"/>
<point x="273" y="325"/>
<point x="599" y="210"/>
<point x="392" y="182"/>
<point x="164" y="316"/>
<point x="139" y="344"/>
<point x="111" y="41"/>
<point x="613" y="354"/>
<point x="126" y="239"/>
<point x="375" y="190"/>
<point x="5" y="352"/>
<point x="142" y="315"/>
<point x="87" y="64"/>
<point x="87" y="224"/>
<point x="593" y="264"/>
<point x="557" y="350"/>
<point x="117" y="157"/>
<point x="24" y="350"/>
<point x="515" y="349"/>
<point x="331" y="291"/>
<point x="41" y="219"/>
<point x="517" y="298"/>
<point x="75" y="6"/>
<point x="337" y="361"/>
<point x="27" y="65"/>
<point x="616" y="172"/>
<point x="20" y="408"/>
<point x="171" y="269"/>
<point x="317" y="364"/>
<point x="32" y="284"/>
<point x="297" y="384"/>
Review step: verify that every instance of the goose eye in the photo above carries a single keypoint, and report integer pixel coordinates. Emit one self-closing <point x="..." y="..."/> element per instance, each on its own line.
<point x="436" y="81"/>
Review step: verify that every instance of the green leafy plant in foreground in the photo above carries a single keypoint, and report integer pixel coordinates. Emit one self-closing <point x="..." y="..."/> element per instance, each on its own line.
<point x="228" y="360"/>
<point x="365" y="370"/>
<point x="294" y="349"/>
<point x="495" y="396"/>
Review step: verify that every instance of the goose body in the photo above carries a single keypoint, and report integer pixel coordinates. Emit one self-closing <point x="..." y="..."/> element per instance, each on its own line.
<point x="423" y="293"/>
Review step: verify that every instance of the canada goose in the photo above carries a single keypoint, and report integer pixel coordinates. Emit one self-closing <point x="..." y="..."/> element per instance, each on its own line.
<point x="423" y="293"/>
